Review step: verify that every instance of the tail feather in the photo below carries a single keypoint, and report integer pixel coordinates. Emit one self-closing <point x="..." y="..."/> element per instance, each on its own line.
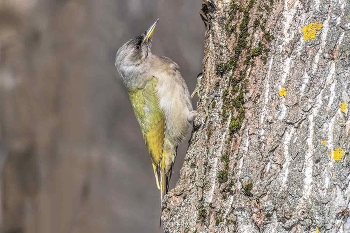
<point x="163" y="174"/>
<point x="166" y="171"/>
<point x="156" y="174"/>
<point x="164" y="186"/>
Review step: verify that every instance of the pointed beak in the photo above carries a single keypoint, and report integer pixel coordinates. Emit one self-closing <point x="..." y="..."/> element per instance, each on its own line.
<point x="150" y="30"/>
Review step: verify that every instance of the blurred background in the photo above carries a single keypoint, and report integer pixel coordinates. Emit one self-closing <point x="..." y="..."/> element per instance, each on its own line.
<point x="72" y="158"/>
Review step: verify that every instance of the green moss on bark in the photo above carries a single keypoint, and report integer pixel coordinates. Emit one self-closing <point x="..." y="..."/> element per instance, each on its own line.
<point x="202" y="213"/>
<point x="248" y="188"/>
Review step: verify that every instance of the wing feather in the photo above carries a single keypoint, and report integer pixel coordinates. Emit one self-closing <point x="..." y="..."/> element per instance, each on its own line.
<point x="151" y="118"/>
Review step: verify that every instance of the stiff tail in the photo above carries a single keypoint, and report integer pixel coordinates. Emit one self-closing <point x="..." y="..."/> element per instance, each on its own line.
<point x="168" y="159"/>
<point x="163" y="172"/>
<point x="164" y="188"/>
<point x="162" y="181"/>
<point x="164" y="185"/>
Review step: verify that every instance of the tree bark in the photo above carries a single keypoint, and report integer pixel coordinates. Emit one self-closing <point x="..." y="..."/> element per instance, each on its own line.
<point x="271" y="154"/>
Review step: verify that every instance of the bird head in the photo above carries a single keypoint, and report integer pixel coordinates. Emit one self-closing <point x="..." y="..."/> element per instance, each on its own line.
<point x="136" y="50"/>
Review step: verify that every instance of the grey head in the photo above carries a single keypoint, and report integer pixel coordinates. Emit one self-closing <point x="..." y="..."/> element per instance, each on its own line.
<point x="131" y="58"/>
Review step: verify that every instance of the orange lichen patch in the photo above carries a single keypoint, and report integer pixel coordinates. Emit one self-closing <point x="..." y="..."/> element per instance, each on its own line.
<point x="337" y="154"/>
<point x="282" y="92"/>
<point x="324" y="142"/>
<point x="311" y="30"/>
<point x="343" y="107"/>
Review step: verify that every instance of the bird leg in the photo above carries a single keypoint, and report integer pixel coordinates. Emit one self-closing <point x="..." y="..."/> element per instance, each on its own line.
<point x="192" y="115"/>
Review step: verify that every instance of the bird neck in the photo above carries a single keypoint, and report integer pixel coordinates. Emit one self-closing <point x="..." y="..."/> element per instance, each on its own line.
<point x="135" y="75"/>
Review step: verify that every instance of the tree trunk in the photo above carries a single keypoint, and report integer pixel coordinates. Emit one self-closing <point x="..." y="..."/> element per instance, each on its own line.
<point x="271" y="153"/>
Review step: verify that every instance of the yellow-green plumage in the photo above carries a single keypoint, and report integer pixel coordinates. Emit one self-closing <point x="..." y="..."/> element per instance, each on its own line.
<point x="160" y="100"/>
<point x="151" y="118"/>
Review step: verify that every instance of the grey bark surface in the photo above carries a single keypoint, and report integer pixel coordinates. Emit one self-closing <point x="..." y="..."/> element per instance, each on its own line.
<point x="258" y="161"/>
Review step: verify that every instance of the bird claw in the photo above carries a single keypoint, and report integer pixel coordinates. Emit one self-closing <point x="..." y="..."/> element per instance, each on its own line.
<point x="192" y="115"/>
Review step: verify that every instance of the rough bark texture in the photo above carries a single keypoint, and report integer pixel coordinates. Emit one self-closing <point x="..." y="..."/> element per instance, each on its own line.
<point x="262" y="155"/>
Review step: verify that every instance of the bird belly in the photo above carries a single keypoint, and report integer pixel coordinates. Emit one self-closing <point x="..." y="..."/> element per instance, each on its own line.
<point x="174" y="101"/>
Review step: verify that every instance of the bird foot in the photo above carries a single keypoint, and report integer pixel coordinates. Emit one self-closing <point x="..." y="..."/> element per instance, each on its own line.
<point x="192" y="115"/>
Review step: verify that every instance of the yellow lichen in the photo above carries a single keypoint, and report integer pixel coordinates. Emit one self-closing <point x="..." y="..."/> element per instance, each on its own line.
<point x="343" y="107"/>
<point x="282" y="92"/>
<point x="337" y="154"/>
<point x="324" y="142"/>
<point x="311" y="30"/>
<point x="317" y="230"/>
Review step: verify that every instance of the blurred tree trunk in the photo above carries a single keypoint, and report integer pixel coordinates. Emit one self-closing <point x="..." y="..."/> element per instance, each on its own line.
<point x="273" y="152"/>
<point x="44" y="150"/>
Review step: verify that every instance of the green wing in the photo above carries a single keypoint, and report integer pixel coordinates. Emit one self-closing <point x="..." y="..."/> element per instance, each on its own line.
<point x="145" y="103"/>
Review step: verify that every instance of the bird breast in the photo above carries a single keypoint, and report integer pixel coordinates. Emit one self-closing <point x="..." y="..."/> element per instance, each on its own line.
<point x="175" y="101"/>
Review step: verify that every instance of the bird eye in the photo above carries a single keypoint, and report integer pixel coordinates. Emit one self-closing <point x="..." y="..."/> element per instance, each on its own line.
<point x="137" y="47"/>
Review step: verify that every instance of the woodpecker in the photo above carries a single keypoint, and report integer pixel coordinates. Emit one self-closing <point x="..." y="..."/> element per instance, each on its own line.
<point x="160" y="100"/>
